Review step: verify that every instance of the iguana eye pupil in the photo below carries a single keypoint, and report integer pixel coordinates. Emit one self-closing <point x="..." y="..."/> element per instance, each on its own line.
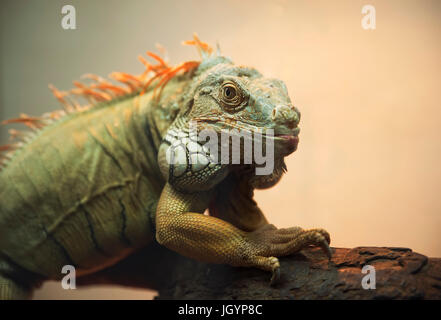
<point x="230" y="93"/>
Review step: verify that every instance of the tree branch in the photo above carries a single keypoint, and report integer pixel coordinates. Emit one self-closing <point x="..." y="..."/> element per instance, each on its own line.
<point x="399" y="273"/>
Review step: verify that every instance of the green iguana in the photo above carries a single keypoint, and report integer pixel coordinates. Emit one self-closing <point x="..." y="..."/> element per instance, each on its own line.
<point x="91" y="184"/>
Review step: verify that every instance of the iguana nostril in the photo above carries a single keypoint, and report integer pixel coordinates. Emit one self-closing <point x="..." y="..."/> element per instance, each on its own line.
<point x="286" y="115"/>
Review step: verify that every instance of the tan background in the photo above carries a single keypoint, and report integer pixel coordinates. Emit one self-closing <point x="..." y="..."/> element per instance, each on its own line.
<point x="368" y="163"/>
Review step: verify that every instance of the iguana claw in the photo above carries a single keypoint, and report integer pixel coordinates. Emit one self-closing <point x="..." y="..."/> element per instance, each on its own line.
<point x="327" y="249"/>
<point x="275" y="270"/>
<point x="275" y="276"/>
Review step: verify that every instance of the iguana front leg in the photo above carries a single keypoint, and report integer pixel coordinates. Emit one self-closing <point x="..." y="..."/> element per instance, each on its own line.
<point x="210" y="239"/>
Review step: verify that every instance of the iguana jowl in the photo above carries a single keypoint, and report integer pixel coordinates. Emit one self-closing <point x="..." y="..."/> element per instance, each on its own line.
<point x="89" y="185"/>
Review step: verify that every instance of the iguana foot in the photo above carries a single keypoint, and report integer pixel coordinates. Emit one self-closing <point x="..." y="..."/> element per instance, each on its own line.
<point x="268" y="242"/>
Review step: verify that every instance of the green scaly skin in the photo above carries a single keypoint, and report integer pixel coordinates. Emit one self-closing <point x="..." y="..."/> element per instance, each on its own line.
<point x="94" y="186"/>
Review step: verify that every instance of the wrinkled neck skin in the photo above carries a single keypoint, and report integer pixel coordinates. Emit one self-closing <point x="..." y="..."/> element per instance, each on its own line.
<point x="160" y="114"/>
<point x="193" y="169"/>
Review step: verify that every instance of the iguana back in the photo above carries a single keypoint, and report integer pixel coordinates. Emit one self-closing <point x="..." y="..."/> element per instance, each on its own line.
<point x="83" y="190"/>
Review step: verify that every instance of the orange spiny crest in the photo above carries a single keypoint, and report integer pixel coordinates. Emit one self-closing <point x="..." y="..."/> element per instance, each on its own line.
<point x="31" y="122"/>
<point x="16" y="134"/>
<point x="162" y="51"/>
<point x="6" y="147"/>
<point x="161" y="61"/>
<point x="123" y="78"/>
<point x="201" y="46"/>
<point x="105" y="86"/>
<point x="6" y="152"/>
<point x="147" y="65"/>
<point x="100" y="96"/>
<point x="102" y="90"/>
<point x="60" y="95"/>
<point x="171" y="72"/>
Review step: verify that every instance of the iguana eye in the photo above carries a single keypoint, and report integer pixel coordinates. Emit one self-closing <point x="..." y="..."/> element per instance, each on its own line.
<point x="230" y="95"/>
<point x="229" y="92"/>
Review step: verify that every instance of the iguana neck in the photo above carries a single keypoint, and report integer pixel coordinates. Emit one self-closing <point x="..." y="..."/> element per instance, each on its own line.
<point x="159" y="114"/>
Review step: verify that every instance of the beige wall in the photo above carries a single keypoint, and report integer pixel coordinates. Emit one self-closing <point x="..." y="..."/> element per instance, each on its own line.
<point x="368" y="164"/>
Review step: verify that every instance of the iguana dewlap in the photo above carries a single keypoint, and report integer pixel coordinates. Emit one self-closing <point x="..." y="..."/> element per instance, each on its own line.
<point x="89" y="185"/>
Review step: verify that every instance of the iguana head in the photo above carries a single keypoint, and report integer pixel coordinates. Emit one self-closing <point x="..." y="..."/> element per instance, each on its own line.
<point x="223" y="99"/>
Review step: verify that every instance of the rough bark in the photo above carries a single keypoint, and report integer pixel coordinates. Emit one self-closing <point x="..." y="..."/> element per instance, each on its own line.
<point x="400" y="274"/>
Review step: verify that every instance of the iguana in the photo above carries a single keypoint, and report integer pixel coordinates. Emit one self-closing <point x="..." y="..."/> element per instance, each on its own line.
<point x="92" y="183"/>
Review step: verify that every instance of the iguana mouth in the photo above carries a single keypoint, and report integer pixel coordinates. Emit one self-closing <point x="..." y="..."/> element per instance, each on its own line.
<point x="289" y="138"/>
<point x="292" y="133"/>
<point x="289" y="141"/>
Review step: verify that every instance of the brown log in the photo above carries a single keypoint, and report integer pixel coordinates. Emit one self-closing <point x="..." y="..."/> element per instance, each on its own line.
<point x="400" y="274"/>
